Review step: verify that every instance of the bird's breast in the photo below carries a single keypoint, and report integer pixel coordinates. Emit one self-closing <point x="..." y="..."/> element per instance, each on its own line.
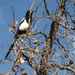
<point x="24" y="25"/>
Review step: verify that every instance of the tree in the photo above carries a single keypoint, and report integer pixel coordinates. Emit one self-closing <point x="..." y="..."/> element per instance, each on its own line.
<point x="48" y="46"/>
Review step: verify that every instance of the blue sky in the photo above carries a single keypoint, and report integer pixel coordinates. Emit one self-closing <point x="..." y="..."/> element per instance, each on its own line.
<point x="20" y="7"/>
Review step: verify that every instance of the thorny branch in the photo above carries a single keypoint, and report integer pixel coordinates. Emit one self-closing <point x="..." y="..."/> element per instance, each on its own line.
<point x="70" y="67"/>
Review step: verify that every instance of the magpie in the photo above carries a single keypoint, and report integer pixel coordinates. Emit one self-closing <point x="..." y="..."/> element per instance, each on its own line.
<point x="23" y="28"/>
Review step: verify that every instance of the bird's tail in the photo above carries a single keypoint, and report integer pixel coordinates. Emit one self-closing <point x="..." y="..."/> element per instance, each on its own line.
<point x="9" y="51"/>
<point x="10" y="48"/>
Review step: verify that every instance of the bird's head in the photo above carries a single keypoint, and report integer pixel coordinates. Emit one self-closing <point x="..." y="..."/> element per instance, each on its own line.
<point x="29" y="16"/>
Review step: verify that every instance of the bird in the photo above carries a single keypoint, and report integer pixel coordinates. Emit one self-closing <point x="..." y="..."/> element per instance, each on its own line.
<point x="25" y="24"/>
<point x="23" y="28"/>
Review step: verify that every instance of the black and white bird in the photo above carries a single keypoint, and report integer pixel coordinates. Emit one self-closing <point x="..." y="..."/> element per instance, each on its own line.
<point x="24" y="26"/>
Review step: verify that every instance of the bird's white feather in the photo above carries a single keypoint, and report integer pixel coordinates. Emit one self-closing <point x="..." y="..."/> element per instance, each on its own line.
<point x="24" y="25"/>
